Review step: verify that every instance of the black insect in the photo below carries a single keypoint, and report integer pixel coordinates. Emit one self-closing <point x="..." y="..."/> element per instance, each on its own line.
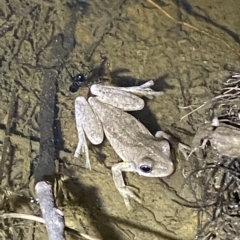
<point x="80" y="80"/>
<point x="97" y="75"/>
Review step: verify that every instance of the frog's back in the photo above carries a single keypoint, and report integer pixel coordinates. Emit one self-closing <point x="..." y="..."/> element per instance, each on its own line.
<point x="123" y="131"/>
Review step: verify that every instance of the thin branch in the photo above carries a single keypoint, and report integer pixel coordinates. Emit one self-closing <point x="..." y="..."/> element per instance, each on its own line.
<point x="53" y="217"/>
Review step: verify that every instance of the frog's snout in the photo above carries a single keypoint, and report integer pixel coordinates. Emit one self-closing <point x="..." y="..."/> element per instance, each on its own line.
<point x="168" y="169"/>
<point x="163" y="170"/>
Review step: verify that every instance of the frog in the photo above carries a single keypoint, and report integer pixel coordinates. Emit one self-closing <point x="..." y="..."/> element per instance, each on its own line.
<point x="106" y="114"/>
<point x="223" y="138"/>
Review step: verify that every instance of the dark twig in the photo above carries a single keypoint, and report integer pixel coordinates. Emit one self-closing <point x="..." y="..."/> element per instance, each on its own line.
<point x="44" y="172"/>
<point x="6" y="141"/>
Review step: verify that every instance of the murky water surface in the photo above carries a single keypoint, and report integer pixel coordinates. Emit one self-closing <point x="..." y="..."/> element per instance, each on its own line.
<point x="186" y="47"/>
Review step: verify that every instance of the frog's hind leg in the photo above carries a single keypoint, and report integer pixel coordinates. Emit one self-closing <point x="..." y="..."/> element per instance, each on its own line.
<point x="117" y="97"/>
<point x="143" y="90"/>
<point x="123" y="97"/>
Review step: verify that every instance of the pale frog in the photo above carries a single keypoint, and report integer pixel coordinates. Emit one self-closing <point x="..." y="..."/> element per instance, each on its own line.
<point x="140" y="151"/>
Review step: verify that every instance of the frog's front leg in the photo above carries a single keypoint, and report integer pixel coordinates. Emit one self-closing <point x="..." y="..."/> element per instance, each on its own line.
<point x="126" y="193"/>
<point x="87" y="123"/>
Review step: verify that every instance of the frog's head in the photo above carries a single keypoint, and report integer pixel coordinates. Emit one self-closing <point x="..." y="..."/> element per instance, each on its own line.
<point x="149" y="167"/>
<point x="158" y="162"/>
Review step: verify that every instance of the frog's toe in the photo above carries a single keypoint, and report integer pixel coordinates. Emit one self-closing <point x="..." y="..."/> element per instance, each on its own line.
<point x="127" y="203"/>
<point x="127" y="194"/>
<point x="162" y="135"/>
<point x="88" y="164"/>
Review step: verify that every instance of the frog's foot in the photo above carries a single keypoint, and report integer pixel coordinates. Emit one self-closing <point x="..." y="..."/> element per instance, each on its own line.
<point x="184" y="149"/>
<point x="143" y="90"/>
<point x="161" y="134"/>
<point x="201" y="147"/>
<point x="127" y="194"/>
<point x="82" y="147"/>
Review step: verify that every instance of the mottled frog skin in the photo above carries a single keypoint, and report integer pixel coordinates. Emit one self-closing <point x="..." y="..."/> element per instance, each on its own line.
<point x="140" y="151"/>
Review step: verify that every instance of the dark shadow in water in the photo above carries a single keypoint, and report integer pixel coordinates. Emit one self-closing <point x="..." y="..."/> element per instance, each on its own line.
<point x="190" y="10"/>
<point x="77" y="5"/>
<point x="148" y="119"/>
<point x="120" y="80"/>
<point x="87" y="197"/>
<point x="57" y="132"/>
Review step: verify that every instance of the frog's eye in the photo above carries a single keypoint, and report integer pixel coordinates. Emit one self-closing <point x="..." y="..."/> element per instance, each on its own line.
<point x="146" y="165"/>
<point x="146" y="168"/>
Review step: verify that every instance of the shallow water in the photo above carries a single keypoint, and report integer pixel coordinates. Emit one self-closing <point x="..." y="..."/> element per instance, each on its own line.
<point x="188" y="54"/>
